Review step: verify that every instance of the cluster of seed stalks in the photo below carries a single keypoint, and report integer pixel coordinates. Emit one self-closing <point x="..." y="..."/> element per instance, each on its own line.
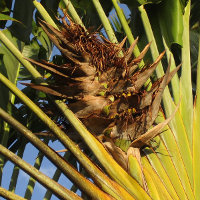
<point x="103" y="85"/>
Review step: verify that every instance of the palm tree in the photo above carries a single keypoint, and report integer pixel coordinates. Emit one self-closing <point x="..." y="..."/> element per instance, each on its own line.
<point x="134" y="147"/>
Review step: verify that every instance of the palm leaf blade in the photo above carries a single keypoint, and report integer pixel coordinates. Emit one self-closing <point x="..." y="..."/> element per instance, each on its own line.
<point x="196" y="134"/>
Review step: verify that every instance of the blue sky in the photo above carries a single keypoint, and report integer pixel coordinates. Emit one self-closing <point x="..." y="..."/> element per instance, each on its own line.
<point x="47" y="168"/>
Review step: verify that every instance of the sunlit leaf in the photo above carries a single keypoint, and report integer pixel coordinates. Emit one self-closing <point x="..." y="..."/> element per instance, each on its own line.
<point x="7" y="17"/>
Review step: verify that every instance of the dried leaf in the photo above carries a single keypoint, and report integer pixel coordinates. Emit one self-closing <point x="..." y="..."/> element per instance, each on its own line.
<point x="130" y="50"/>
<point x="89" y="105"/>
<point x="117" y="153"/>
<point x="158" y="97"/>
<point x="172" y="73"/>
<point x="142" y="54"/>
<point x="45" y="89"/>
<point x="120" y="46"/>
<point x="45" y="66"/>
<point x="142" y="77"/>
<point x="54" y="39"/>
<point x="97" y="124"/>
<point x="145" y="138"/>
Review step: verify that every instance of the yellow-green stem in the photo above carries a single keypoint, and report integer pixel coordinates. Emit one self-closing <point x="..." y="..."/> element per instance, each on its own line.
<point x="105" y="21"/>
<point x="113" y="169"/>
<point x="130" y="37"/>
<point x="15" y="173"/>
<point x="69" y="171"/>
<point x="19" y="56"/>
<point x="73" y="13"/>
<point x="44" y="14"/>
<point x="57" y="189"/>
<point x="32" y="181"/>
<point x="196" y="133"/>
<point x="127" y="29"/>
<point x="9" y="195"/>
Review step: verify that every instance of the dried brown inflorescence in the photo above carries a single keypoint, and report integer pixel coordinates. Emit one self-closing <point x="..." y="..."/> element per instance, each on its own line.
<point x="102" y="83"/>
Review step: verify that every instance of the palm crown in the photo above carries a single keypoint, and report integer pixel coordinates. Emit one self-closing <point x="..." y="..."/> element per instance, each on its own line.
<point x="141" y="151"/>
